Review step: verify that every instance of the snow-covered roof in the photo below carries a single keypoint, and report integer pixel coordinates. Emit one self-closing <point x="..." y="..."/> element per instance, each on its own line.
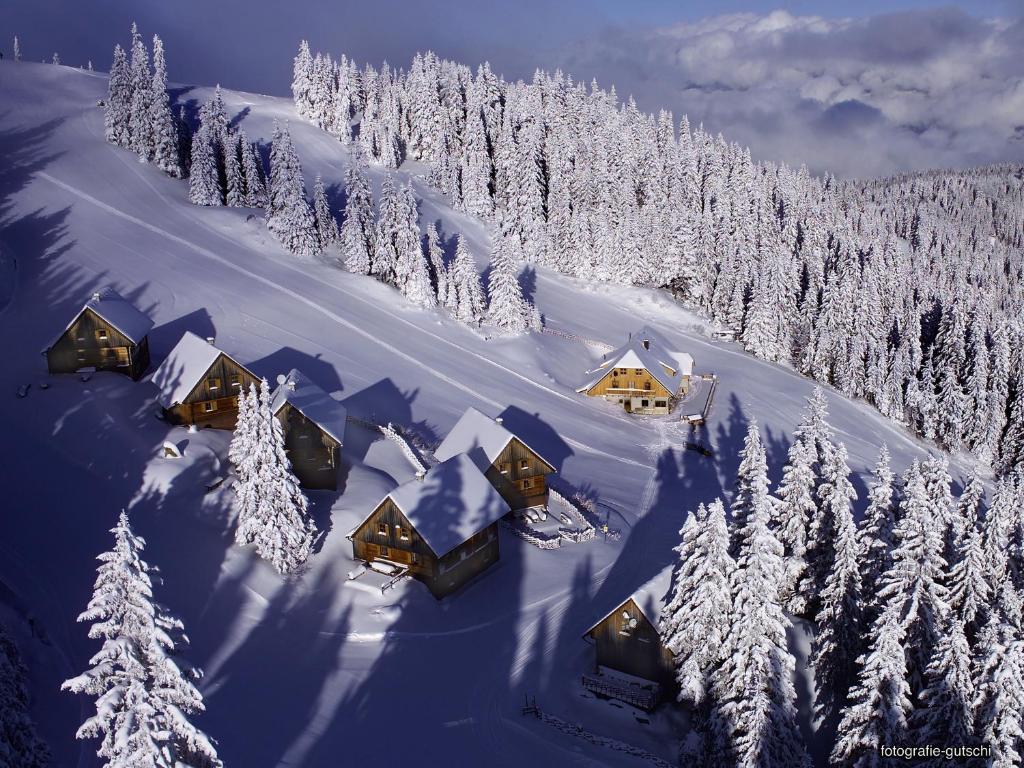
<point x="315" y="404"/>
<point x="645" y="349"/>
<point x="450" y="503"/>
<point x="186" y="364"/>
<point x="119" y="312"/>
<point x="482" y="437"/>
<point x="651" y="597"/>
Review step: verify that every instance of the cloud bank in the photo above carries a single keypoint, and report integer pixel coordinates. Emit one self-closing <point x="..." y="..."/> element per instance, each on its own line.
<point x="856" y="97"/>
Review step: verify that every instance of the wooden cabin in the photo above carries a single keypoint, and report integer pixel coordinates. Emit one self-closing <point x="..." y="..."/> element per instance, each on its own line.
<point x="630" y="661"/>
<point x="199" y="384"/>
<point x="643" y="375"/>
<point x="517" y="471"/>
<point x="313" y="423"/>
<point x="441" y="526"/>
<point x="107" y="334"/>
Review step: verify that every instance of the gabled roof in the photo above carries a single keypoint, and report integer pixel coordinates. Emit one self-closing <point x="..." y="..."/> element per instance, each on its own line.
<point x="480" y="436"/>
<point x="183" y="368"/>
<point x="645" y="349"/>
<point x="451" y="503"/>
<point x="315" y="404"/>
<point x="113" y="308"/>
<point x="651" y="597"/>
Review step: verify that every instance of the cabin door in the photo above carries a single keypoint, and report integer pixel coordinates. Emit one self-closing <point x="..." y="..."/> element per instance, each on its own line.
<point x="628" y="404"/>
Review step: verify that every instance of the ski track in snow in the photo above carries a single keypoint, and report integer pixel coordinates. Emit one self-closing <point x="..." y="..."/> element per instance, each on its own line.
<point x="337" y="318"/>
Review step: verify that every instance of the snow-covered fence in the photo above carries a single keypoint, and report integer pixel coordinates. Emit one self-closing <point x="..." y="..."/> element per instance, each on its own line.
<point x="581" y="512"/>
<point x="599" y="345"/>
<point x="391" y="433"/>
<point x="577" y="535"/>
<point x="602" y="741"/>
<point x="539" y="539"/>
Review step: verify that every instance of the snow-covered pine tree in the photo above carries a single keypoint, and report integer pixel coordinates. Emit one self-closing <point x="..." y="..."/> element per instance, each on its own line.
<point x="438" y="269"/>
<point x="695" y="622"/>
<point x="357" y="229"/>
<point x="326" y="224"/>
<point x="756" y="692"/>
<point x="999" y="679"/>
<point x="967" y="580"/>
<point x="140" y="122"/>
<point x="20" y="745"/>
<point x="837" y="643"/>
<point x="289" y="217"/>
<point x="302" y="75"/>
<point x="880" y="701"/>
<point x="252" y="174"/>
<point x="246" y="434"/>
<point x="793" y="514"/>
<point x="465" y="286"/>
<point x="389" y="221"/>
<point x="875" y="537"/>
<point x="117" y="111"/>
<point x="749" y="479"/>
<point x="412" y="273"/>
<point x="234" y="194"/>
<point x="144" y="694"/>
<point x="166" y="142"/>
<point x="204" y="180"/>
<point x="272" y="510"/>
<point x="507" y="308"/>
<point x="17" y="48"/>
<point x="947" y="714"/>
<point x="55" y="59"/>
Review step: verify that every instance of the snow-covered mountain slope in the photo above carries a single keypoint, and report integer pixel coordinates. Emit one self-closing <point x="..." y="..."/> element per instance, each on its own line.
<point x="320" y="670"/>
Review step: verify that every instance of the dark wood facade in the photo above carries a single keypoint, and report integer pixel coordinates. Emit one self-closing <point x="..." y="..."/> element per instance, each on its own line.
<point x="633" y="648"/>
<point x="314" y="454"/>
<point x="520" y="476"/>
<point x="388" y="535"/>
<point x="92" y="342"/>
<point x="213" y="401"/>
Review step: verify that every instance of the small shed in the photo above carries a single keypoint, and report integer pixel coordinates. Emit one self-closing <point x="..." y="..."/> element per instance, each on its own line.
<point x="108" y="333"/>
<point x="515" y="469"/>
<point x="313" y="423"/>
<point x="199" y="384"/>
<point x="441" y="526"/>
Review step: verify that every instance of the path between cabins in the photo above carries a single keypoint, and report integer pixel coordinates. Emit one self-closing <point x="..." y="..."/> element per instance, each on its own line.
<point x="337" y="318"/>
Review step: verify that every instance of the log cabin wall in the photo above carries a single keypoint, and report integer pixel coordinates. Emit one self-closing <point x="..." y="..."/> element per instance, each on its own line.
<point x="636" y="389"/>
<point x="213" y="402"/>
<point x="519" y="475"/>
<point x="314" y="454"/>
<point x="92" y="342"/>
<point x="636" y="651"/>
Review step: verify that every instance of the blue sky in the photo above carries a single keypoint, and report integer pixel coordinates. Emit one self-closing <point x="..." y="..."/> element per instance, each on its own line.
<point x="922" y="84"/>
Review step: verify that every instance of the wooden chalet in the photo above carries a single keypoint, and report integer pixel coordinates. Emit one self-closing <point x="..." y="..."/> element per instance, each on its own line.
<point x="631" y="663"/>
<point x="199" y="384"/>
<point x="442" y="526"/>
<point x="313" y="423"/>
<point x="107" y="334"/>
<point x="643" y="375"/>
<point x="516" y="470"/>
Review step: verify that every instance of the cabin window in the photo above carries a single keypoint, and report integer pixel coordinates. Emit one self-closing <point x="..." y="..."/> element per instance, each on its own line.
<point x="382" y="529"/>
<point x="384" y="551"/>
<point x="101" y="334"/>
<point x="615" y="383"/>
<point x="524" y="463"/>
<point x="527" y="484"/>
<point x="638" y="371"/>
<point x="504" y="468"/>
<point x="81" y="355"/>
<point x="644" y="403"/>
<point x="647" y="386"/>
<point x="210" y="406"/>
<point x="213" y="383"/>
<point x="403" y="533"/>
<point x="660" y="404"/>
<point x="235" y="381"/>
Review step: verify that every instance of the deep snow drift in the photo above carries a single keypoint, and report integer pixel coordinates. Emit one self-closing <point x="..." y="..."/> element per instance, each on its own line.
<point x="319" y="670"/>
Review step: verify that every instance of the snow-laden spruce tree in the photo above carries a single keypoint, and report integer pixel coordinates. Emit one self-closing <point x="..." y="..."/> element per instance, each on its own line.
<point x="999" y="678"/>
<point x="252" y="174"/>
<point x="326" y="224"/>
<point x="164" y="128"/>
<point x="756" y="695"/>
<point x="875" y="537"/>
<point x="464" y="286"/>
<point x="880" y="701"/>
<point x="390" y="216"/>
<point x="17" y="48"/>
<point x="118" y="109"/>
<point x="1001" y="527"/>
<point x="947" y="712"/>
<point x="234" y="183"/>
<point x="272" y="510"/>
<point x="357" y="228"/>
<point x="412" y="273"/>
<point x="749" y="480"/>
<point x="793" y="514"/>
<point x="144" y="695"/>
<point x="204" y="180"/>
<point x="507" y="308"/>
<point x="20" y="745"/>
<point x="140" y="121"/>
<point x="695" y="622"/>
<point x="302" y="75"/>
<point x="837" y="643"/>
<point x="246" y="432"/>
<point x="438" y="269"/>
<point x="289" y="217"/>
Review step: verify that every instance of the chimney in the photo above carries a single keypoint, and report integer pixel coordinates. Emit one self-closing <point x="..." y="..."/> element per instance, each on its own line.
<point x="647" y="343"/>
<point x="291" y="385"/>
<point x="420" y="474"/>
<point x="96" y="296"/>
<point x="497" y="420"/>
<point x="210" y="340"/>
